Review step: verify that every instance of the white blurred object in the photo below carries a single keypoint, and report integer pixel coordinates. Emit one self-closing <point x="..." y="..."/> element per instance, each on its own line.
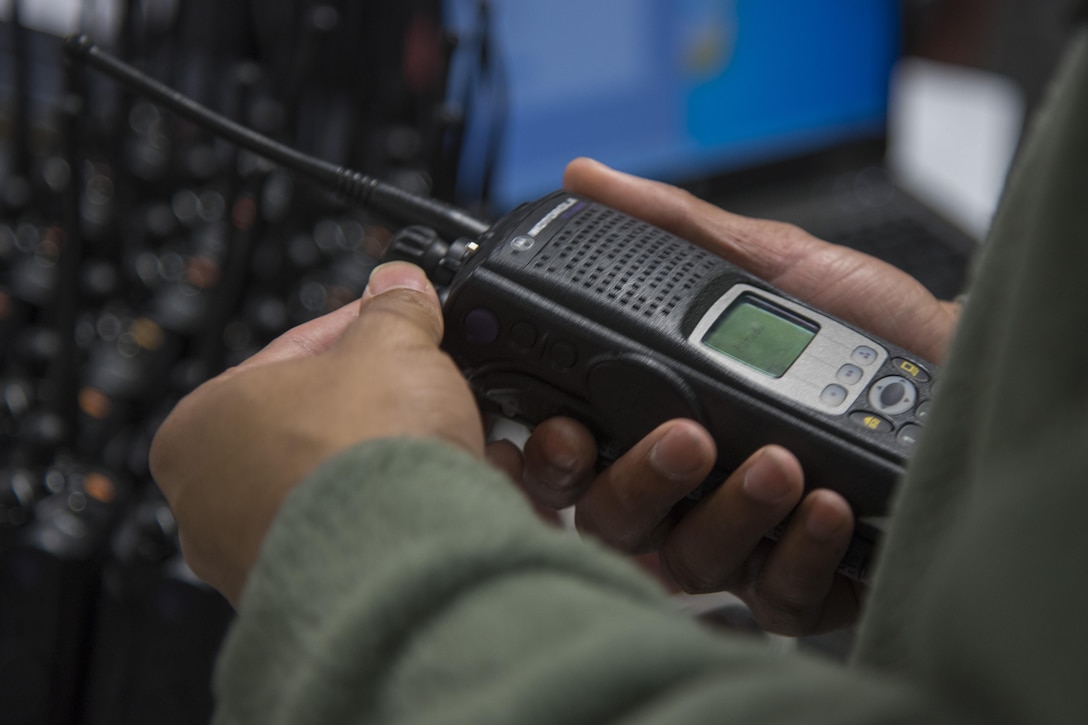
<point x="953" y="134"/>
<point x="63" y="17"/>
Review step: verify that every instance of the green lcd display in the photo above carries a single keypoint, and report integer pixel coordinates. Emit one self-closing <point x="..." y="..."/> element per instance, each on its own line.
<point x="760" y="335"/>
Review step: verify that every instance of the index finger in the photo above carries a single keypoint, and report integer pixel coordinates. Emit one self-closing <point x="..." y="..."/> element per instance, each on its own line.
<point x="741" y="240"/>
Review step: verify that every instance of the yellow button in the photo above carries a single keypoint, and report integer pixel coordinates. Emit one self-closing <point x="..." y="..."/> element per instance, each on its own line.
<point x="872" y="422"/>
<point x="911" y="369"/>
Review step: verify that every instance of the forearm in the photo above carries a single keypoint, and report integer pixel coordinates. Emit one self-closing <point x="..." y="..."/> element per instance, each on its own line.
<point x="406" y="581"/>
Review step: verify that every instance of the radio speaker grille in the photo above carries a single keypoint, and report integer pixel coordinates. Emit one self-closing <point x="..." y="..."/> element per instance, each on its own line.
<point x="616" y="257"/>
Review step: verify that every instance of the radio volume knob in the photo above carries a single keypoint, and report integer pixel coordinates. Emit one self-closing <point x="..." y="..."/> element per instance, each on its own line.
<point x="423" y="247"/>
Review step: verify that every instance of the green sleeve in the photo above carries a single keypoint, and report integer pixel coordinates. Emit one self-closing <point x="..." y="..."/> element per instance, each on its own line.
<point x="981" y="593"/>
<point x="406" y="582"/>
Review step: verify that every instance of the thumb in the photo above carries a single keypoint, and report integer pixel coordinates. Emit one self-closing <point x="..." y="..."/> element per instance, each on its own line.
<point x="399" y="304"/>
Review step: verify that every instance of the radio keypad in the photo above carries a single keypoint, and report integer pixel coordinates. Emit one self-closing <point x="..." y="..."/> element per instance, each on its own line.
<point x="894" y="395"/>
<point x="833" y="395"/>
<point x="864" y="355"/>
<point x="849" y="374"/>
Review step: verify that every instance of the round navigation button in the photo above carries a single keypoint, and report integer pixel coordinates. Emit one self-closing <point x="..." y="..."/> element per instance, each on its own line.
<point x="893" y="395"/>
<point x="833" y="396"/>
<point x="863" y="355"/>
<point x="849" y="374"/>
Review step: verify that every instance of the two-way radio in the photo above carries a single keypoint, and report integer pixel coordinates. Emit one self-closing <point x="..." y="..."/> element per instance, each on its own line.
<point x="567" y="307"/>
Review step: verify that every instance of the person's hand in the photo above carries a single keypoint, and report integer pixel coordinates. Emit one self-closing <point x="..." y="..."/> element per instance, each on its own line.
<point x="720" y="544"/>
<point x="230" y="451"/>
<point x="864" y="291"/>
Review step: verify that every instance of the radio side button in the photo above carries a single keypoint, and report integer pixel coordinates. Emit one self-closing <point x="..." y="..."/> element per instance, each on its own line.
<point x="481" y="326"/>
<point x="523" y="334"/>
<point x="564" y="355"/>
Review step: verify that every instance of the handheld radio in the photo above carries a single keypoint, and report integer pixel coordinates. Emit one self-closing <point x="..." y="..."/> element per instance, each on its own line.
<point x="567" y="307"/>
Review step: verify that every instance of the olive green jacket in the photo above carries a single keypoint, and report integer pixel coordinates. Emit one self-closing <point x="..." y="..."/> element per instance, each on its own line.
<point x="406" y="582"/>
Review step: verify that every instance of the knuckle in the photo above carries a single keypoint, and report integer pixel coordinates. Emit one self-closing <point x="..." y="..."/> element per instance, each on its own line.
<point x="390" y="312"/>
<point x="553" y="493"/>
<point x="158" y="457"/>
<point x="786" y="229"/>
<point x="623" y="538"/>
<point x="200" y="562"/>
<point x="685" y="207"/>
<point x="162" y="458"/>
<point x="780" y="611"/>
<point x="609" y="529"/>
<point x="688" y="573"/>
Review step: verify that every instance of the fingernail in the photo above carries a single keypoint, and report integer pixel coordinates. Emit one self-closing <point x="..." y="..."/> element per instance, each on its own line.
<point x="561" y="472"/>
<point x="824" y="523"/>
<point x="561" y="465"/>
<point x="672" y="455"/>
<point x="396" y="275"/>
<point x="764" y="480"/>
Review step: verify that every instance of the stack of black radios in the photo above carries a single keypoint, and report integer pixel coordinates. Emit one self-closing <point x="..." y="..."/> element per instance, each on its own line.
<point x="139" y="256"/>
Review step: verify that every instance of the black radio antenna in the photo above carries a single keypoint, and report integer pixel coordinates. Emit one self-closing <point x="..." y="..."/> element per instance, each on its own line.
<point x="354" y="186"/>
